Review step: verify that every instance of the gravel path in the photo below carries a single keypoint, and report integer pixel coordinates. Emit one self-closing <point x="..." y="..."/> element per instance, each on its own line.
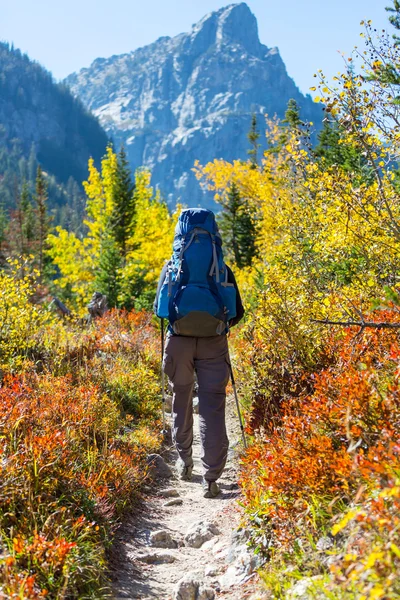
<point x="144" y="570"/>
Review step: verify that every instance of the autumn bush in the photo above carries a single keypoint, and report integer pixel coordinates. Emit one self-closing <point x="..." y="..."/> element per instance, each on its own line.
<point x="331" y="467"/>
<point x="79" y="413"/>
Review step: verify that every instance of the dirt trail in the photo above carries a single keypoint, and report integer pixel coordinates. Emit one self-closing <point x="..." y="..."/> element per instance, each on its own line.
<point x="135" y="578"/>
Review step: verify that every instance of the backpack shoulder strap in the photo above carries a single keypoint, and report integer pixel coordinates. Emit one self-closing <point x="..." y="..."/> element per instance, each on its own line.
<point x="214" y="266"/>
<point x="184" y="247"/>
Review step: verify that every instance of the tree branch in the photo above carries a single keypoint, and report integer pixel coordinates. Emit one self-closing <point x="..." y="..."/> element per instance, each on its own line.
<point x="361" y="324"/>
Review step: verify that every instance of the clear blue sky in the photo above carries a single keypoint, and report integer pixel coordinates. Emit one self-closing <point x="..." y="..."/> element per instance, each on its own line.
<point x="65" y="36"/>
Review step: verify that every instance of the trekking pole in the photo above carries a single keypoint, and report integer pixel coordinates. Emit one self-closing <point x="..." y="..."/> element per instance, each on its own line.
<point x="237" y="401"/>
<point x="164" y="431"/>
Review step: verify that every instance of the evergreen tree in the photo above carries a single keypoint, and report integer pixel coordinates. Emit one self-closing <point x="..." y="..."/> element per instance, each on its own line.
<point x="333" y="151"/>
<point x="237" y="228"/>
<point x="32" y="164"/>
<point x="3" y="229"/>
<point x="122" y="217"/>
<point x="108" y="275"/>
<point x="28" y="217"/>
<point x="42" y="223"/>
<point x="292" y="115"/>
<point x="290" y="124"/>
<point x="394" y="17"/>
<point x="253" y="136"/>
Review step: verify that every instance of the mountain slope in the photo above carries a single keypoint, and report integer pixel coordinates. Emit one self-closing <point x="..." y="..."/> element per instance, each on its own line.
<point x="190" y="97"/>
<point x="36" y="112"/>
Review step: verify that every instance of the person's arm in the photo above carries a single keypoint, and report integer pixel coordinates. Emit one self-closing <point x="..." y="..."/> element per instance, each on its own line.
<point x="160" y="282"/>
<point x="239" y="304"/>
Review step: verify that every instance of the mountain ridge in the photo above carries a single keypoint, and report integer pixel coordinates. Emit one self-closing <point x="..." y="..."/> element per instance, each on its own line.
<point x="190" y="97"/>
<point x="41" y="120"/>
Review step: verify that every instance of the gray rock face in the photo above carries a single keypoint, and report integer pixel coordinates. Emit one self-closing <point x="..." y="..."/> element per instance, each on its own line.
<point x="190" y="97"/>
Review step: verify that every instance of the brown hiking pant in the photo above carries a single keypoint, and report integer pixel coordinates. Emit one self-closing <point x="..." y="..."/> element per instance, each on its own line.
<point x="209" y="357"/>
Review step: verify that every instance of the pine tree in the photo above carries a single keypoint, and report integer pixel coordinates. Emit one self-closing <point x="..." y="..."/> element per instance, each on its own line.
<point x="108" y="275"/>
<point x="32" y="164"/>
<point x="42" y="223"/>
<point x="253" y="136"/>
<point x="3" y="229"/>
<point x="28" y="217"/>
<point x="122" y="218"/>
<point x="394" y="18"/>
<point x="292" y="115"/>
<point x="237" y="228"/>
<point x="333" y="151"/>
<point x="289" y="125"/>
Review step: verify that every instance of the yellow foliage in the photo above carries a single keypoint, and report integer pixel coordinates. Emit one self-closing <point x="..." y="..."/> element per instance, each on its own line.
<point x="152" y="240"/>
<point x="99" y="191"/>
<point x="21" y="321"/>
<point x="74" y="258"/>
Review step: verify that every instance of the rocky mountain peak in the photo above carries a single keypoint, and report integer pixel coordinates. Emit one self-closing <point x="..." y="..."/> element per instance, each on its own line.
<point x="233" y="24"/>
<point x="190" y="97"/>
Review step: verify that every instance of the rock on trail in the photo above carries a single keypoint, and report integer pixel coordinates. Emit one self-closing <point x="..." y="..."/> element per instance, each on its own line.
<point x="183" y="546"/>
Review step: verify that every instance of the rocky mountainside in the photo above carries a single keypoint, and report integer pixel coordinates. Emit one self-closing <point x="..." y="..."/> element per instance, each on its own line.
<point x="41" y="120"/>
<point x="190" y="97"/>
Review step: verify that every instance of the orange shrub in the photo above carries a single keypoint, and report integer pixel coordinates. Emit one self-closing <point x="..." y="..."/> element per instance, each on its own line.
<point x="328" y="443"/>
<point x="71" y="461"/>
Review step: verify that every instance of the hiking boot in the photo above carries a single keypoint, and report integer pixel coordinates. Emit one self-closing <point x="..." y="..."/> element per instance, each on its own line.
<point x="211" y="489"/>
<point x="184" y="471"/>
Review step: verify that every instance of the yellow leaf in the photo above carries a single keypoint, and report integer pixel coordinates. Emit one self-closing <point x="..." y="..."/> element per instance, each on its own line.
<point x="395" y="549"/>
<point x="345" y="521"/>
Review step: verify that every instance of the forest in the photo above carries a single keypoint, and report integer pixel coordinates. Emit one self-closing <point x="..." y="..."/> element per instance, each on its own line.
<point x="312" y="233"/>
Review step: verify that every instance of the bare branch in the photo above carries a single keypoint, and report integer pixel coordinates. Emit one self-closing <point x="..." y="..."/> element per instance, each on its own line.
<point x="361" y="324"/>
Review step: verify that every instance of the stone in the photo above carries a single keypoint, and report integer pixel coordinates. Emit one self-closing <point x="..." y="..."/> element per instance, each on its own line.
<point x="230" y="578"/>
<point x="303" y="590"/>
<point x="211" y="570"/>
<point x="192" y="587"/>
<point x="159" y="467"/>
<point x="162" y="539"/>
<point x="188" y="587"/>
<point x="157" y="557"/>
<point x="218" y="546"/>
<point x="241" y="535"/>
<point x="207" y="546"/>
<point x="324" y="543"/>
<point x="173" y="502"/>
<point x="170" y="493"/>
<point x="200" y="532"/>
<point x="205" y="593"/>
<point x="196" y="405"/>
<point x="242" y="562"/>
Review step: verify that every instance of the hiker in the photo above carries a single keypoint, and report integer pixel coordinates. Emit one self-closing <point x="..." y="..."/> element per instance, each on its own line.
<point x="199" y="296"/>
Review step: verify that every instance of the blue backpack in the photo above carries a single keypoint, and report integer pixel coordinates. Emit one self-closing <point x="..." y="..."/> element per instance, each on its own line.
<point x="195" y="296"/>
